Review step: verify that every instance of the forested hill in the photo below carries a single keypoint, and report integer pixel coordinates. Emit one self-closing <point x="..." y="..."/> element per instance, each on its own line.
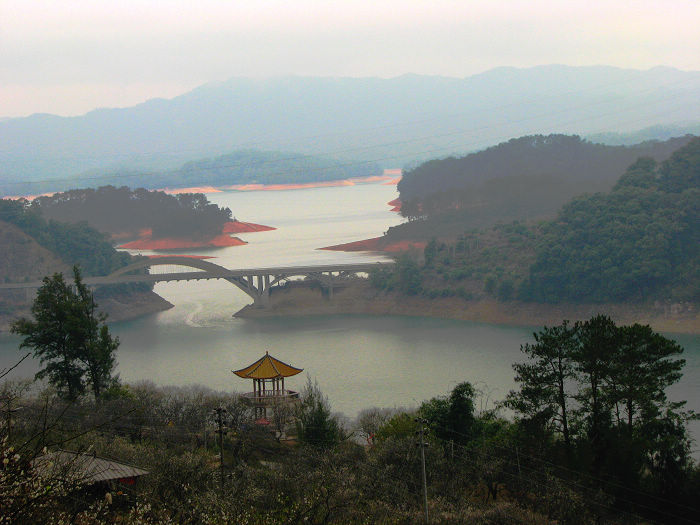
<point x="263" y="167"/>
<point x="32" y="247"/>
<point x="239" y="167"/>
<point x="523" y="178"/>
<point x="123" y="210"/>
<point x="72" y="243"/>
<point x="638" y="243"/>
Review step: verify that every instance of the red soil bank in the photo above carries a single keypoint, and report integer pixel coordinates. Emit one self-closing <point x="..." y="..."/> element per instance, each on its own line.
<point x="188" y="256"/>
<point x="396" y="205"/>
<point x="377" y="244"/>
<point x="145" y="233"/>
<point x="306" y="185"/>
<point x="191" y="189"/>
<point x="245" y="227"/>
<point x="179" y="244"/>
<point x="283" y="187"/>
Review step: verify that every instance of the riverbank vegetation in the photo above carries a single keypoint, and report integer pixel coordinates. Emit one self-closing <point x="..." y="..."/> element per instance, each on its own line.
<point x="611" y="448"/>
<point x="638" y="243"/>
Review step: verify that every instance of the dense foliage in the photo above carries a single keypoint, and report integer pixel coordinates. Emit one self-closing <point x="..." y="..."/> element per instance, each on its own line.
<point x="118" y="210"/>
<point x="476" y="265"/>
<point x="524" y="178"/>
<point x="69" y="335"/>
<point x="74" y="243"/>
<point x="638" y="242"/>
<point x="626" y="458"/>
<point x="601" y="390"/>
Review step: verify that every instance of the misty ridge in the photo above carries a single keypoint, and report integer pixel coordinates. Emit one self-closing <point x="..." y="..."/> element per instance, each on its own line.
<point x="364" y="122"/>
<point x="524" y="178"/>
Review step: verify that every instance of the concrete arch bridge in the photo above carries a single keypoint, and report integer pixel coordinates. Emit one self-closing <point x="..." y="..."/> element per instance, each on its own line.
<point x="255" y="282"/>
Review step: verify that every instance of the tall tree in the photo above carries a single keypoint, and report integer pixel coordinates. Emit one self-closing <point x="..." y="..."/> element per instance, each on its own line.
<point x="545" y="379"/>
<point x="70" y="337"/>
<point x="644" y="365"/>
<point x="610" y="381"/>
<point x="598" y="341"/>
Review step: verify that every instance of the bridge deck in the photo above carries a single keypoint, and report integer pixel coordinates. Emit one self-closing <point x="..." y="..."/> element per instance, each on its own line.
<point x="222" y="273"/>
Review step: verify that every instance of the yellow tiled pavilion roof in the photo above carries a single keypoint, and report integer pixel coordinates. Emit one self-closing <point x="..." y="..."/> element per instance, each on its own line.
<point x="267" y="367"/>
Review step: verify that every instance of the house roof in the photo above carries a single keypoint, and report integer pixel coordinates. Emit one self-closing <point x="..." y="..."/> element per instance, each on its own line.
<point x="267" y="367"/>
<point x="84" y="467"/>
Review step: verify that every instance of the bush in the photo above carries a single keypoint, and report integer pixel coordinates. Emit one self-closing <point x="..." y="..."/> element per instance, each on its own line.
<point x="505" y="290"/>
<point x="490" y="284"/>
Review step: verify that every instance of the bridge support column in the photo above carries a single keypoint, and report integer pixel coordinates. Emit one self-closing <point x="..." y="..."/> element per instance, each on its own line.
<point x="262" y="290"/>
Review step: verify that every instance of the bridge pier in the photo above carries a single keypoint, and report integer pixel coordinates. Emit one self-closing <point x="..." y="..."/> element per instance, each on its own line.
<point x="262" y="297"/>
<point x="256" y="286"/>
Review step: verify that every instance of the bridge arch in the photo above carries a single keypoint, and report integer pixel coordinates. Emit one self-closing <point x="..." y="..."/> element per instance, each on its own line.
<point x="260" y="292"/>
<point x="190" y="262"/>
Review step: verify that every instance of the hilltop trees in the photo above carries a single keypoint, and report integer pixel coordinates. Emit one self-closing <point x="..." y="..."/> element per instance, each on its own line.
<point x="69" y="336"/>
<point x="75" y="243"/>
<point x="526" y="177"/>
<point x="120" y="210"/>
<point x="602" y="389"/>
<point x="638" y="242"/>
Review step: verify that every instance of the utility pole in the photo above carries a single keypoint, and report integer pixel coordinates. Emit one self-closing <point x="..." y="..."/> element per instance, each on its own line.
<point x="422" y="444"/>
<point x="219" y="416"/>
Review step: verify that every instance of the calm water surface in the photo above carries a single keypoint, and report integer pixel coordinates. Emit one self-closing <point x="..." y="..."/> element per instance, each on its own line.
<point x="359" y="361"/>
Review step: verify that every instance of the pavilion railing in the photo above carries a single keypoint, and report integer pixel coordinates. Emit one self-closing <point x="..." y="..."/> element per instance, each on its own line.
<point x="270" y="394"/>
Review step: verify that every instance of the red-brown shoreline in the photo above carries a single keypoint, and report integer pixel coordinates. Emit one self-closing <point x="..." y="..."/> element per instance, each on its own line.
<point x="145" y="240"/>
<point x="376" y="244"/>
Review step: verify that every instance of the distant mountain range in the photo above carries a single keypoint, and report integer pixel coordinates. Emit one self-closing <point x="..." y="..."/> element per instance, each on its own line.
<point x="392" y="122"/>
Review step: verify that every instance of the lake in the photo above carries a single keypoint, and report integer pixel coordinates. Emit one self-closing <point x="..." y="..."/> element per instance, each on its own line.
<point x="358" y="361"/>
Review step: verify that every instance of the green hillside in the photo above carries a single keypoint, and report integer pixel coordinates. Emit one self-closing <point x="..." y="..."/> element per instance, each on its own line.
<point x="639" y="242"/>
<point x="526" y="178"/>
<point x="118" y="210"/>
<point x="73" y="243"/>
<point x="32" y="247"/>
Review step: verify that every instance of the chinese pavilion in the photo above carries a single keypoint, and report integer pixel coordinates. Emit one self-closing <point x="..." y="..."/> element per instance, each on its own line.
<point x="268" y="376"/>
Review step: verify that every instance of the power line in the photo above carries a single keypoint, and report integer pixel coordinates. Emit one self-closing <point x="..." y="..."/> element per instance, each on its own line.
<point x="577" y="472"/>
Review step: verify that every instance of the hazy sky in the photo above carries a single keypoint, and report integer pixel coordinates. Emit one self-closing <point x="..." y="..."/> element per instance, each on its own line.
<point x="67" y="57"/>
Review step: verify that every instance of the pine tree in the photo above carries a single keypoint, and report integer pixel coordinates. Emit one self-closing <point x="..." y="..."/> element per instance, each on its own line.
<point x="69" y="336"/>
